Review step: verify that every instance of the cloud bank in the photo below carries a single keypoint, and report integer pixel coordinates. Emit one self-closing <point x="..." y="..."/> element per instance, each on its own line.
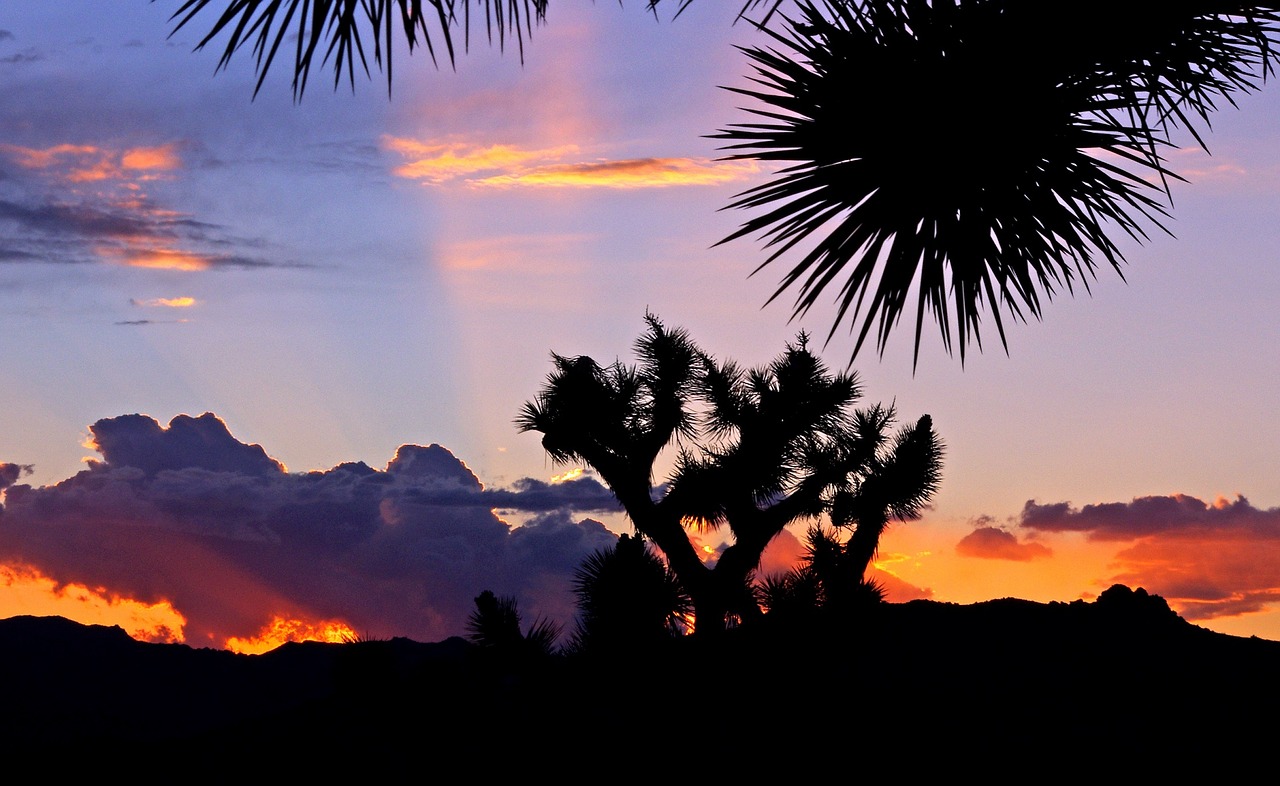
<point x="189" y="515"/>
<point x="1208" y="559"/>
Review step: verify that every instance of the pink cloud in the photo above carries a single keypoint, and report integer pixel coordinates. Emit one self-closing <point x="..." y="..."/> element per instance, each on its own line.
<point x="995" y="543"/>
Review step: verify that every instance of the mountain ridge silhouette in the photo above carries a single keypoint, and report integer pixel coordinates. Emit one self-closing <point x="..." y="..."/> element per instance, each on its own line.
<point x="1122" y="675"/>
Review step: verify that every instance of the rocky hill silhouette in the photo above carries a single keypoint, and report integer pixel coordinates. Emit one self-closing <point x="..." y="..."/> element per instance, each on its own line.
<point x="1120" y="680"/>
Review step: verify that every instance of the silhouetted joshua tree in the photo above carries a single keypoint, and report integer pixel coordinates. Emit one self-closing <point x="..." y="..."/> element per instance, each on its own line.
<point x="754" y="451"/>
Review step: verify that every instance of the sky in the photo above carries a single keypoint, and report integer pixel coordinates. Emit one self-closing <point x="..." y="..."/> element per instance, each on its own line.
<point x="262" y="357"/>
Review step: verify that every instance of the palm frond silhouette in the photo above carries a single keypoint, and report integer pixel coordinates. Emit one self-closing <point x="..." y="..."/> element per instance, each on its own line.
<point x="953" y="148"/>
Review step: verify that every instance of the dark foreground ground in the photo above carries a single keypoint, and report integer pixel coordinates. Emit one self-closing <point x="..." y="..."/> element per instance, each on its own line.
<point x="997" y="689"/>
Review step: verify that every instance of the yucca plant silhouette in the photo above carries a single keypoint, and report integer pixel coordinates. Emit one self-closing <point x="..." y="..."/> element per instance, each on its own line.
<point x="494" y="625"/>
<point x="628" y="600"/>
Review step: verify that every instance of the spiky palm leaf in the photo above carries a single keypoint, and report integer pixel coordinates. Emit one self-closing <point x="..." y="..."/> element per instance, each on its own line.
<point x="946" y="146"/>
<point x="339" y="32"/>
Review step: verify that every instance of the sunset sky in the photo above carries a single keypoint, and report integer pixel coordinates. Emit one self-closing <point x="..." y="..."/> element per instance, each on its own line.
<point x="261" y="359"/>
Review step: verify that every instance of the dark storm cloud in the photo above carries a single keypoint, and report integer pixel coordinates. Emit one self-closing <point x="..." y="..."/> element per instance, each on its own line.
<point x="189" y="514"/>
<point x="84" y="221"/>
<point x="9" y="473"/>
<point x="1172" y="515"/>
<point x="583" y="494"/>
<point x="202" y="442"/>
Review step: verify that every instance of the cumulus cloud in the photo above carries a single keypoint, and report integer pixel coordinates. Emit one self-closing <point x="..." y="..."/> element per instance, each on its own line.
<point x="203" y="442"/>
<point x="9" y="473"/>
<point x="90" y="203"/>
<point x="188" y="514"/>
<point x="1208" y="559"/>
<point x="994" y="543"/>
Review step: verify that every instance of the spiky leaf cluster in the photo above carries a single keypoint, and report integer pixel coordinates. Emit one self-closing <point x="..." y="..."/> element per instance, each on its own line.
<point x="494" y="626"/>
<point x="340" y="33"/>
<point x="628" y="599"/>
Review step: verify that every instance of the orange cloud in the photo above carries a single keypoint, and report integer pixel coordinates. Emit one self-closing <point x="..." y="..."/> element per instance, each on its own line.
<point x="509" y="166"/>
<point x="90" y="163"/>
<point x="166" y="302"/>
<point x="163" y="259"/>
<point x="36" y="158"/>
<point x="995" y="543"/>
<point x="1202" y="578"/>
<point x="26" y="591"/>
<point x="164" y="157"/>
<point x="439" y="163"/>
<point x="627" y="174"/>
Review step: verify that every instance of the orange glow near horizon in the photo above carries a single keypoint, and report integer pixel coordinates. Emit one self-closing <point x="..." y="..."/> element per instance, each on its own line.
<point x="25" y="591"/>
<point x="282" y="630"/>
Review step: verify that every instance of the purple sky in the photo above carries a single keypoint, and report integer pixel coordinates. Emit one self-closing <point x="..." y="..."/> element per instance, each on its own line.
<point x="337" y="278"/>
